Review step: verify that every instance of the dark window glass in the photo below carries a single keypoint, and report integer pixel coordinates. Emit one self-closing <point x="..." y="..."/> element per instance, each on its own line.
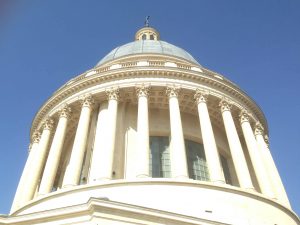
<point x="160" y="157"/>
<point x="226" y="170"/>
<point x="196" y="161"/>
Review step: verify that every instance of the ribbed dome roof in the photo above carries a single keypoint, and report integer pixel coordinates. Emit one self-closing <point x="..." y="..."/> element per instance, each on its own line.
<point x="147" y="46"/>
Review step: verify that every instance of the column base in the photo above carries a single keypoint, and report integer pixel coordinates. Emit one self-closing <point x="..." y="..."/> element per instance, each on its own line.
<point x="221" y="182"/>
<point x="102" y="179"/>
<point x="251" y="189"/>
<point x="143" y="176"/>
<point x="67" y="186"/>
<point x="182" y="177"/>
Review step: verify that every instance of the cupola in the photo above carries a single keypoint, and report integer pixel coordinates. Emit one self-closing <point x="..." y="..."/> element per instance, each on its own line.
<point x="147" y="33"/>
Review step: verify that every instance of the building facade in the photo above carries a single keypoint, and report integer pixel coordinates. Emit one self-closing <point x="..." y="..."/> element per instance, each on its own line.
<point x="149" y="136"/>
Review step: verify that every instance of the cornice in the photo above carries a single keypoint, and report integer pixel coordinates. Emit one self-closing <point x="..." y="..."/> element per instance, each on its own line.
<point x="214" y="81"/>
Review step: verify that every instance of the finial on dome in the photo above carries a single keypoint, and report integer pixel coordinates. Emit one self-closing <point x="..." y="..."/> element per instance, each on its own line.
<point x="147" y="21"/>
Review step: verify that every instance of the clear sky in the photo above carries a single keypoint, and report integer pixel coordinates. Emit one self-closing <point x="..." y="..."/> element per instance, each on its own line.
<point x="43" y="44"/>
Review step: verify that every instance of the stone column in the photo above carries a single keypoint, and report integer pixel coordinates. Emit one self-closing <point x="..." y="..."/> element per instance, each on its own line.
<point x="255" y="156"/>
<point x="26" y="172"/>
<point x="73" y="170"/>
<point x="178" y="157"/>
<point x="235" y="146"/>
<point x="39" y="159"/>
<point x="278" y="187"/>
<point x="209" y="142"/>
<point x="142" y="159"/>
<point x="106" y="155"/>
<point x="99" y="143"/>
<point x="53" y="159"/>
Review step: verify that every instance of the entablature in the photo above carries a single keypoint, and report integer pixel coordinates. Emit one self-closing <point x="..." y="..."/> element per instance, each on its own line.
<point x="155" y="75"/>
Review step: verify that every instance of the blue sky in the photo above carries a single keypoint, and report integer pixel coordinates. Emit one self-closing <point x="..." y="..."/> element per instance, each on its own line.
<point x="43" y="44"/>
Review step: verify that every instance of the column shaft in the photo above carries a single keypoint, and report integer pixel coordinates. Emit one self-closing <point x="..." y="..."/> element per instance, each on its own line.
<point x="99" y="143"/>
<point x="209" y="142"/>
<point x="255" y="156"/>
<point x="106" y="155"/>
<point x="26" y="172"/>
<point x="142" y="162"/>
<point x="73" y="170"/>
<point x="178" y="157"/>
<point x="39" y="162"/>
<point x="278" y="186"/>
<point x="53" y="159"/>
<point x="235" y="146"/>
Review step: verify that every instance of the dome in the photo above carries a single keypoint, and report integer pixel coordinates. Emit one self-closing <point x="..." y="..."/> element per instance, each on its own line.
<point x="147" y="46"/>
<point x="144" y="45"/>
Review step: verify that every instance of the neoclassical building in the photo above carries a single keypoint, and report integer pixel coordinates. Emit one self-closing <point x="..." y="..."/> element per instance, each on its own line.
<point x="149" y="136"/>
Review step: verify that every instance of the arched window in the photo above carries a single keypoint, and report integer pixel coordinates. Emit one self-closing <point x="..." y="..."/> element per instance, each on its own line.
<point x="144" y="37"/>
<point x="160" y="165"/>
<point x="196" y="161"/>
<point x="151" y="37"/>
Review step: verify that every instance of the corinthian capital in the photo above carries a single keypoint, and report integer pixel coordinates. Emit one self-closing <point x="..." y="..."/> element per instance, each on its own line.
<point x="244" y="116"/>
<point x="87" y="100"/>
<point x="259" y="129"/>
<point x="225" y="105"/>
<point x="65" y="111"/>
<point x="267" y="141"/>
<point x="48" y="124"/>
<point x="142" y="91"/>
<point x="36" y="137"/>
<point x="172" y="92"/>
<point x="201" y="96"/>
<point x="113" y="94"/>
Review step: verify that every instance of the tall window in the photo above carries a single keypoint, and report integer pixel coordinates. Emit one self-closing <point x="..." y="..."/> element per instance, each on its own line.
<point x="196" y="161"/>
<point x="160" y="165"/>
<point x="226" y="170"/>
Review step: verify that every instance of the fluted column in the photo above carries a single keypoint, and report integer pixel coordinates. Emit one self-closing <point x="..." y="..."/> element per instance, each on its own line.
<point x="209" y="142"/>
<point x="273" y="173"/>
<point x="178" y="157"/>
<point x="142" y="159"/>
<point x="26" y="171"/>
<point x="73" y="170"/>
<point x="255" y="156"/>
<point x="108" y="145"/>
<point x="53" y="159"/>
<point x="235" y="146"/>
<point x="99" y="143"/>
<point x="39" y="162"/>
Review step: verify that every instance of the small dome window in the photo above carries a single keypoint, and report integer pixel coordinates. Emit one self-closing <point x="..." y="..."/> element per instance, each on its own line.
<point x="144" y="37"/>
<point x="151" y="37"/>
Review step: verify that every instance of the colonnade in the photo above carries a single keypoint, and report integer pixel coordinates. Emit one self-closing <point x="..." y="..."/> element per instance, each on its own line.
<point x="105" y="137"/>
